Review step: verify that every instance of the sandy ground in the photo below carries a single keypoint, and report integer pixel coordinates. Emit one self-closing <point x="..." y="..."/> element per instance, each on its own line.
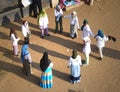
<point x="98" y="76"/>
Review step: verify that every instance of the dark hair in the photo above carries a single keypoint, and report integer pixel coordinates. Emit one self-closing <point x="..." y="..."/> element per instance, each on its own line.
<point x="12" y="31"/>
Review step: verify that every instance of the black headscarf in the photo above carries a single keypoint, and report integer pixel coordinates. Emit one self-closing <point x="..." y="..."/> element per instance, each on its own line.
<point x="44" y="62"/>
<point x="74" y="53"/>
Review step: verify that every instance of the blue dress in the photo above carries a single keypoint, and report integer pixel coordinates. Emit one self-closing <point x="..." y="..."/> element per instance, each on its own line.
<point x="75" y="68"/>
<point x="47" y="78"/>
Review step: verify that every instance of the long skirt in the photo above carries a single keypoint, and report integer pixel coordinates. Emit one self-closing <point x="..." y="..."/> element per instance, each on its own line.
<point x="47" y="78"/>
<point x="73" y="31"/>
<point x="75" y="73"/>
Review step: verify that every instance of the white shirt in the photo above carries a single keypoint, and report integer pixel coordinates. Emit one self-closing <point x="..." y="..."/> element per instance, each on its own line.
<point x="25" y="31"/>
<point x="73" y="21"/>
<point x="75" y="61"/>
<point x="58" y="14"/>
<point x="87" y="48"/>
<point x="28" y="57"/>
<point x="14" y="40"/>
<point x="87" y="32"/>
<point x="43" y="22"/>
<point x="101" y="41"/>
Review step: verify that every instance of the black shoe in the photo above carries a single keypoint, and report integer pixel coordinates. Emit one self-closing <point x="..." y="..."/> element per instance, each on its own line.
<point x="48" y="35"/>
<point x="42" y="36"/>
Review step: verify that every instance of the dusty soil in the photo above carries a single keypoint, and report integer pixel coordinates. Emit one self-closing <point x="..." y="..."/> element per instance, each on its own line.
<point x="98" y="76"/>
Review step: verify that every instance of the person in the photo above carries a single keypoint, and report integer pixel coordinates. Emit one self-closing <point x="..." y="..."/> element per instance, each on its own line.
<point x="74" y="64"/>
<point x="43" y="23"/>
<point x="87" y="49"/>
<point x="14" y="39"/>
<point x="25" y="30"/>
<point x="58" y="18"/>
<point x="86" y="30"/>
<point x="33" y="7"/>
<point x="101" y="38"/>
<point x="26" y="59"/>
<point x="46" y="68"/>
<point x="74" y="24"/>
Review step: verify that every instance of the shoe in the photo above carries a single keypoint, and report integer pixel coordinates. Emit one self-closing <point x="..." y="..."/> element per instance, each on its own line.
<point x="48" y="35"/>
<point x="42" y="36"/>
<point x="77" y="81"/>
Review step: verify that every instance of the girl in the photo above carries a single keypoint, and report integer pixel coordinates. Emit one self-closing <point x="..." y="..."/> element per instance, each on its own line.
<point x="43" y="23"/>
<point x="74" y="64"/>
<point x="25" y="30"/>
<point x="87" y="49"/>
<point x="46" y="75"/>
<point x="101" y="39"/>
<point x="14" y="40"/>
<point x="74" y="24"/>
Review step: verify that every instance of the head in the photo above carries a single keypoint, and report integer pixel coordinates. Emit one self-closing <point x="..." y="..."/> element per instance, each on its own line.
<point x="12" y="31"/>
<point x="74" y="53"/>
<point x="74" y="14"/>
<point x="85" y="22"/>
<point x="42" y="13"/>
<point x="44" y="62"/>
<point x="100" y="33"/>
<point x="25" y="22"/>
<point x="58" y="7"/>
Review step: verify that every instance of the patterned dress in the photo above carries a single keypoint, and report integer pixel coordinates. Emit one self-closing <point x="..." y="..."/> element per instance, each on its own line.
<point x="47" y="77"/>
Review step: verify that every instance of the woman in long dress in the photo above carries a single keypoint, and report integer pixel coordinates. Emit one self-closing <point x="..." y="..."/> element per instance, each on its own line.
<point x="74" y="64"/>
<point x="74" y="24"/>
<point x="46" y="68"/>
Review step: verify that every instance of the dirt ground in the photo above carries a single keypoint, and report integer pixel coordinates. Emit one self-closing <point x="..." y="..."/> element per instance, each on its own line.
<point x="98" y="76"/>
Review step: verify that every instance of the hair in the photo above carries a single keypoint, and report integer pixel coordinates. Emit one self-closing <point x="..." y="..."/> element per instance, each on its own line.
<point x="24" y="21"/>
<point x="12" y="31"/>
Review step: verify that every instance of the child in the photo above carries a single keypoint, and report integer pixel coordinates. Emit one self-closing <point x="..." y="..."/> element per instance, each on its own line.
<point x="87" y="49"/>
<point x="46" y="67"/>
<point x="43" y="23"/>
<point x="58" y="18"/>
<point x="26" y="59"/>
<point x="74" y="64"/>
<point x="74" y="24"/>
<point x="101" y="39"/>
<point x="14" y="40"/>
<point x="25" y="30"/>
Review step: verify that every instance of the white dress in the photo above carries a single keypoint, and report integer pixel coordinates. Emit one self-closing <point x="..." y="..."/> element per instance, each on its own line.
<point x="101" y="41"/>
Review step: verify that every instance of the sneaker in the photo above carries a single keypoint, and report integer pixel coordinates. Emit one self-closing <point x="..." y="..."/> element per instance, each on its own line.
<point x="77" y="81"/>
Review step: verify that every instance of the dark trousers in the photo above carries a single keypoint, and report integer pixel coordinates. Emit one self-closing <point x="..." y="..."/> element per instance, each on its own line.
<point x="33" y="7"/>
<point x="58" y="23"/>
<point x="26" y="67"/>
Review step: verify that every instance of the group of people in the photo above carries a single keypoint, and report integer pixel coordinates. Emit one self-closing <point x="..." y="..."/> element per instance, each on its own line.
<point x="45" y="63"/>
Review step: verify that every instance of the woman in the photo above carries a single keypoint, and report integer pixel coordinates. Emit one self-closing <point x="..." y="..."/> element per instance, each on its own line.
<point x="74" y="24"/>
<point x="26" y="59"/>
<point x="14" y="40"/>
<point x="25" y="30"/>
<point x="74" y="64"/>
<point x="43" y="23"/>
<point x="46" y="75"/>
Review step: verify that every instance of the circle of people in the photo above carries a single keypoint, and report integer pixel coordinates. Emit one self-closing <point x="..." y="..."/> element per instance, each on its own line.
<point x="45" y="63"/>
